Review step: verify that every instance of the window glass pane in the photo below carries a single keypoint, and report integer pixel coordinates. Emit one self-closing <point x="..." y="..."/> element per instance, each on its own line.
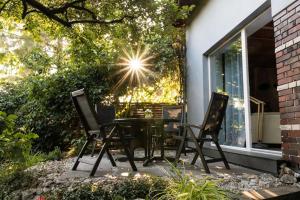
<point x="227" y="76"/>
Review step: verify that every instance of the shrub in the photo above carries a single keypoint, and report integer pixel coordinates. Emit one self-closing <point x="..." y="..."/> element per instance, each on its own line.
<point x="45" y="105"/>
<point x="14" y="182"/>
<point x="15" y="144"/>
<point x="126" y="189"/>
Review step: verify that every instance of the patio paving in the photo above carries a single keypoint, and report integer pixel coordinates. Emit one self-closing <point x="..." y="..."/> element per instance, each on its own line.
<point x="159" y="168"/>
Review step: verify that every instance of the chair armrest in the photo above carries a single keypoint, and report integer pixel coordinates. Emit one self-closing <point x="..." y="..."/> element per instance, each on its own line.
<point x="107" y="124"/>
<point x="94" y="132"/>
<point x="190" y="125"/>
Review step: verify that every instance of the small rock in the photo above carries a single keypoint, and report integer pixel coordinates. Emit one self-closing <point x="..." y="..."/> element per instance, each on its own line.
<point x="253" y="182"/>
<point x="28" y="194"/>
<point x="288" y="179"/>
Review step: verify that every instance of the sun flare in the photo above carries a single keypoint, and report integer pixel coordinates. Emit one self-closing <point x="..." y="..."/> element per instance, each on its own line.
<point x="135" y="67"/>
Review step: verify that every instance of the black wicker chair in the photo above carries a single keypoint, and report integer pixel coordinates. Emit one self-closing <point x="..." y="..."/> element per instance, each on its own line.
<point x="208" y="131"/>
<point x="96" y="132"/>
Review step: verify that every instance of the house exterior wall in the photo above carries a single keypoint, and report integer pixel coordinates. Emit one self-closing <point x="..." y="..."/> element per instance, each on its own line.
<point x="279" y="5"/>
<point x="212" y="23"/>
<point x="287" y="43"/>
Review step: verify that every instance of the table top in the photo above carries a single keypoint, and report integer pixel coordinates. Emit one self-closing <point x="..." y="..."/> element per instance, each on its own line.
<point x="146" y="120"/>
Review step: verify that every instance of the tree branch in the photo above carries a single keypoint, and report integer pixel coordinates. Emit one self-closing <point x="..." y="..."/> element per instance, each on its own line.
<point x="114" y="21"/>
<point x="4" y="5"/>
<point x="24" y="13"/>
<point x="46" y="11"/>
<point x="60" y="14"/>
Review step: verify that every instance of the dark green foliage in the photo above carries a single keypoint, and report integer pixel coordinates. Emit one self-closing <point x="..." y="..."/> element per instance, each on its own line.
<point x="15" y="144"/>
<point x="56" y="154"/>
<point x="126" y="189"/>
<point x="17" y="181"/>
<point x="47" y="108"/>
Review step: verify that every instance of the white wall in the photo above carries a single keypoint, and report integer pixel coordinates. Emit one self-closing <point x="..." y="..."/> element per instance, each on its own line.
<point x="216" y="19"/>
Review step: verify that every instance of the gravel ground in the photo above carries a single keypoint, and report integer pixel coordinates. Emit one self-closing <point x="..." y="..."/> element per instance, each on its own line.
<point x="57" y="174"/>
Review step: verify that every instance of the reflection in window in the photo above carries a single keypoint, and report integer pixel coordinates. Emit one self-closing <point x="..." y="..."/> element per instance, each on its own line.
<point x="227" y="76"/>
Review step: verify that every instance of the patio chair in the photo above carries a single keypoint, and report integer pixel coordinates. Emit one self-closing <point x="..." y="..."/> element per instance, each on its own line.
<point x="164" y="139"/>
<point x="105" y="115"/>
<point x="208" y="131"/>
<point x="96" y="132"/>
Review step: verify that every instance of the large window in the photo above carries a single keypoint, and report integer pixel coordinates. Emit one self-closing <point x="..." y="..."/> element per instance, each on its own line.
<point x="227" y="77"/>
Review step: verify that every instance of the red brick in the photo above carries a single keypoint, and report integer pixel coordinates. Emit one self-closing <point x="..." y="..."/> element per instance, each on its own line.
<point x="283" y="69"/>
<point x="290" y="37"/>
<point x="291" y="60"/>
<point x="294" y="121"/>
<point x="288" y="15"/>
<point x="280" y="76"/>
<point x="297" y="102"/>
<point x="294" y="159"/>
<point x="285" y="92"/>
<point x="296" y="64"/>
<point x="278" y="65"/>
<point x="279" y="15"/>
<point x="294" y="29"/>
<point x="285" y="80"/>
<point x="279" y="54"/>
<point x="287" y="115"/>
<point x="289" y="140"/>
<point x="293" y="72"/>
<point x="290" y="152"/>
<point x="286" y="104"/>
<point x="283" y="58"/>
<point x="294" y="134"/>
<point x="294" y="5"/>
<point x="297" y="114"/>
<point x="285" y="146"/>
<point x="277" y="22"/>
<point x="283" y="98"/>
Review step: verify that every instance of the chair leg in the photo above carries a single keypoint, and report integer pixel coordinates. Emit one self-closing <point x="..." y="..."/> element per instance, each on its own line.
<point x="162" y="143"/>
<point x="80" y="154"/>
<point x="130" y="158"/>
<point x="181" y="146"/>
<point x="113" y="163"/>
<point x="199" y="151"/>
<point x="196" y="154"/>
<point x="93" y="148"/>
<point x="222" y="155"/>
<point x="179" y="150"/>
<point x="99" y="158"/>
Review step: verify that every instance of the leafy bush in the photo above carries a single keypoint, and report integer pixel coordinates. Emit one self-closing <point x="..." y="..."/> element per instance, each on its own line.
<point x="15" y="144"/>
<point x="126" y="189"/>
<point x="16" y="181"/>
<point x="46" y="106"/>
<point x="56" y="154"/>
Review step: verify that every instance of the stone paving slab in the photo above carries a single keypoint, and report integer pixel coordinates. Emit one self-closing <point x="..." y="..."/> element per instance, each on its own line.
<point x="160" y="168"/>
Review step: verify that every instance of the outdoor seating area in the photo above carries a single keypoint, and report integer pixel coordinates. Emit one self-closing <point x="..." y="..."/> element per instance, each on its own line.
<point x="149" y="100"/>
<point x="103" y="127"/>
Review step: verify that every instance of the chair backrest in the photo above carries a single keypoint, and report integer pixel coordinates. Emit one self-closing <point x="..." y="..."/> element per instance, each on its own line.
<point x="215" y="114"/>
<point x="172" y="112"/>
<point x="105" y="114"/>
<point x="85" y="111"/>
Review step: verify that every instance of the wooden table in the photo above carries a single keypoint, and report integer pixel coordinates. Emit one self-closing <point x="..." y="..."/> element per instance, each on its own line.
<point x="149" y="125"/>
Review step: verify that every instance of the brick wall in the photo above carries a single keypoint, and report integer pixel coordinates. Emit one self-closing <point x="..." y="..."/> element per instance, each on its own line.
<point x="287" y="43"/>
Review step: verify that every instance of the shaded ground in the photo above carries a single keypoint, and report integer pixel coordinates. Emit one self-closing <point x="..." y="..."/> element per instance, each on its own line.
<point x="236" y="179"/>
